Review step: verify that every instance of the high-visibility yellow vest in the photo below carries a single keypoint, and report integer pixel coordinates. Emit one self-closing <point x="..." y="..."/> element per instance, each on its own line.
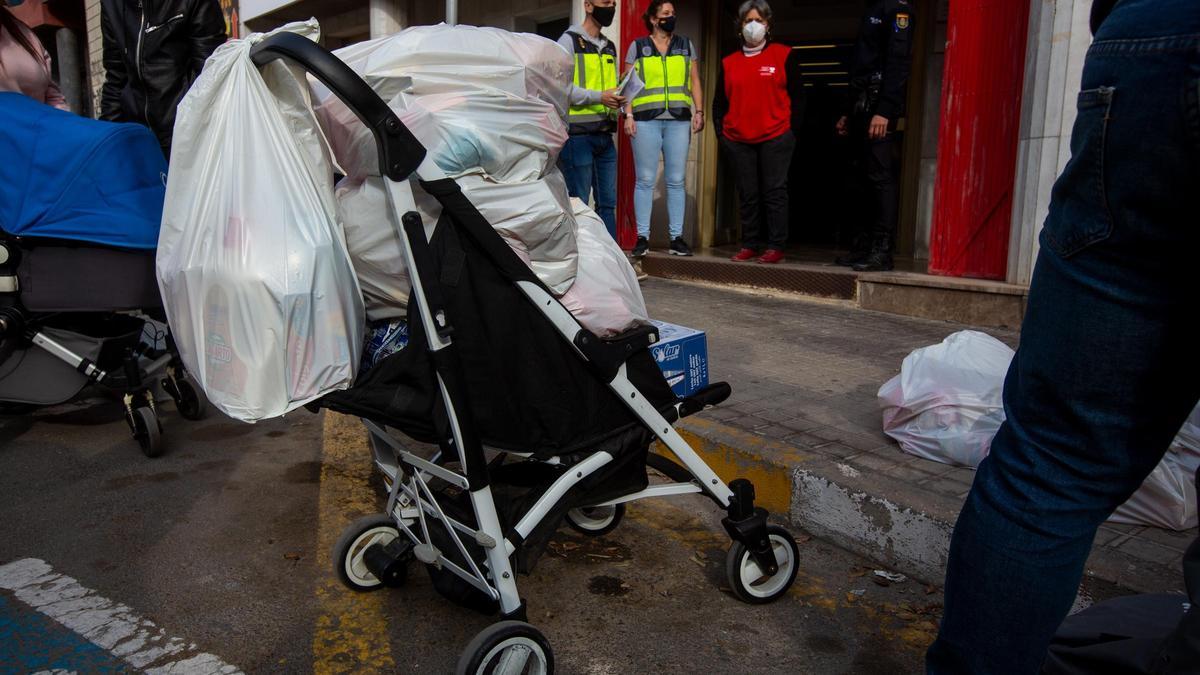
<point x="668" y="78"/>
<point x="595" y="69"/>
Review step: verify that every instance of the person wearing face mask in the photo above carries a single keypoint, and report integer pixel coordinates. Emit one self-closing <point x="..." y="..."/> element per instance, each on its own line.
<point x="153" y="51"/>
<point x="878" y="85"/>
<point x="759" y="100"/>
<point x="589" y="159"/>
<point x="24" y="63"/>
<point x="662" y="118"/>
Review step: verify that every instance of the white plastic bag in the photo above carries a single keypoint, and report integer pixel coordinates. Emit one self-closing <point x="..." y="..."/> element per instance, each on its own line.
<point x="606" y="297"/>
<point x="258" y="287"/>
<point x="476" y="98"/>
<point x="1167" y="498"/>
<point x="945" y="404"/>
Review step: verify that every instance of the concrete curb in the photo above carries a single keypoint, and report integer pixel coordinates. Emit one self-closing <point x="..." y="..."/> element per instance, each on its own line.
<point x="907" y="529"/>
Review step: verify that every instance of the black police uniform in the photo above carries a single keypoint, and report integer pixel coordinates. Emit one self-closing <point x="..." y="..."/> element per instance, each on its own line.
<point x="878" y="86"/>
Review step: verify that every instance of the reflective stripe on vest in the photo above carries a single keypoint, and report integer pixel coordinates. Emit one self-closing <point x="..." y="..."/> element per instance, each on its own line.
<point x="668" y="79"/>
<point x="595" y="70"/>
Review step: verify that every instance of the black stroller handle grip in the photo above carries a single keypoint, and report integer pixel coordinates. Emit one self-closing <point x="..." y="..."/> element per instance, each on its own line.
<point x="400" y="153"/>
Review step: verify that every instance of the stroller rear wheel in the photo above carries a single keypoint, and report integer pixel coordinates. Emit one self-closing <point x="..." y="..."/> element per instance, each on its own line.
<point x="147" y="431"/>
<point x="749" y="582"/>
<point x="508" y="647"/>
<point x="595" y="520"/>
<point x="371" y="554"/>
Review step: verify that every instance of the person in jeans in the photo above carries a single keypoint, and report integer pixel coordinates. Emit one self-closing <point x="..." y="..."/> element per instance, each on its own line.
<point x="589" y="158"/>
<point x="153" y="51"/>
<point x="662" y="119"/>
<point x="759" y="100"/>
<point x="1107" y="369"/>
<point x="24" y="63"/>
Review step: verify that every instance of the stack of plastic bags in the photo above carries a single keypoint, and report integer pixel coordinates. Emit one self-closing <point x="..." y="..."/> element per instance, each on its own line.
<point x="270" y="274"/>
<point x="490" y="107"/>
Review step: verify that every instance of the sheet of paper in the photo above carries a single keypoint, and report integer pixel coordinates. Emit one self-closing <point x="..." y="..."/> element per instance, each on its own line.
<point x="631" y="86"/>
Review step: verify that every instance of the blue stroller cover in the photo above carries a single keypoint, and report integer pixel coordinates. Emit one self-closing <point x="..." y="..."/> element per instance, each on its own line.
<point x="68" y="177"/>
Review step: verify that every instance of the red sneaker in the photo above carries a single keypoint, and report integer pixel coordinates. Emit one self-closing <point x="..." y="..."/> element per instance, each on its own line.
<point x="771" y="257"/>
<point x="744" y="255"/>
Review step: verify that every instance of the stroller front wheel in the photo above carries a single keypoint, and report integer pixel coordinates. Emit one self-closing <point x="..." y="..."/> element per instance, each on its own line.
<point x="146" y="430"/>
<point x="371" y="554"/>
<point x="749" y="582"/>
<point x="507" y="647"/>
<point x="595" y="520"/>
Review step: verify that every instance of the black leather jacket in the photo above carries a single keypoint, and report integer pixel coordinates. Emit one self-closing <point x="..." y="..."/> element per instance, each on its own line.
<point x="153" y="51"/>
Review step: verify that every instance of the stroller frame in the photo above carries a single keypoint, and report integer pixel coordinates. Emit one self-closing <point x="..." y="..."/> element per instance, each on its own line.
<point x="374" y="552"/>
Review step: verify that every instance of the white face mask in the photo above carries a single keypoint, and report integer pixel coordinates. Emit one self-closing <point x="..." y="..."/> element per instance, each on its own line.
<point x="754" y="33"/>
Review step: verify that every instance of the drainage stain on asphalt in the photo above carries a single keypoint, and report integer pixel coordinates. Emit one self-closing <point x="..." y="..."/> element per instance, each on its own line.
<point x="609" y="586"/>
<point x="122" y="482"/>
<point x="304" y="472"/>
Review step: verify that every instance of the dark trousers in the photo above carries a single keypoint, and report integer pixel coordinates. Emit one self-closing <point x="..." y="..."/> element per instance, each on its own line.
<point x="1107" y="371"/>
<point x="761" y="170"/>
<point x="881" y="161"/>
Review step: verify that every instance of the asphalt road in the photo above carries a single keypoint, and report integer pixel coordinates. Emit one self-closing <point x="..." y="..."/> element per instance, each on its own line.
<point x="221" y="549"/>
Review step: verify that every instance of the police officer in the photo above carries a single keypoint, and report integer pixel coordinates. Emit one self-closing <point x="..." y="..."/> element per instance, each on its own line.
<point x="878" y="84"/>
<point x="589" y="159"/>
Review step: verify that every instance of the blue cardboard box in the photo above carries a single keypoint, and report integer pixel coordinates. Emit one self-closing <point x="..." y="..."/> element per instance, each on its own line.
<point x="682" y="354"/>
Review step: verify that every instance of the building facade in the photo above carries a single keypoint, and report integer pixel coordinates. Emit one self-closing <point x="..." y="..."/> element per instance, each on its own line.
<point x="1013" y="68"/>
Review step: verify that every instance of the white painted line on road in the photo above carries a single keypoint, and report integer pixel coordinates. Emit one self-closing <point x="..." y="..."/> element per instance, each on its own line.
<point x="107" y="624"/>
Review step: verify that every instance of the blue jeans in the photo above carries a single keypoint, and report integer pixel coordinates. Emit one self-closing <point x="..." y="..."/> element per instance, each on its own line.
<point x="1107" y="368"/>
<point x="589" y="162"/>
<point x="668" y="139"/>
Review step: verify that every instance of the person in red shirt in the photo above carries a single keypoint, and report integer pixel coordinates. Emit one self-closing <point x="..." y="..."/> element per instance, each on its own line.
<point x="759" y="100"/>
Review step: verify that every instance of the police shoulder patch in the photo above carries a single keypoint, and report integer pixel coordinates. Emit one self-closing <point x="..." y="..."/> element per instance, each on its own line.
<point x="646" y="50"/>
<point x="901" y="21"/>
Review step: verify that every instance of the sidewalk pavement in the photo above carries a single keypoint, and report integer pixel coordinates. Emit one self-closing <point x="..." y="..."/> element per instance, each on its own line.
<point x="803" y="423"/>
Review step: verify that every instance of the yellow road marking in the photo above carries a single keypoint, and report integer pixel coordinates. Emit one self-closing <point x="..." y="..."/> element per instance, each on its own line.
<point x="351" y="634"/>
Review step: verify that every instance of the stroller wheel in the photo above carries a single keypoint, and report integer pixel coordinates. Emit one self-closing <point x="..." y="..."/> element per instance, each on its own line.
<point x="189" y="400"/>
<point x="507" y="647"/>
<point x="595" y="520"/>
<point x="371" y="544"/>
<point x="147" y="431"/>
<point x="748" y="581"/>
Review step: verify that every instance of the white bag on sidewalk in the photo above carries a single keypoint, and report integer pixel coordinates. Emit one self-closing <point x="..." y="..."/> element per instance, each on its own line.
<point x="1167" y="498"/>
<point x="258" y="287"/>
<point x="945" y="404"/>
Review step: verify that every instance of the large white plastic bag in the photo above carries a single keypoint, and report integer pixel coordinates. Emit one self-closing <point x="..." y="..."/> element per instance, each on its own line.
<point x="468" y="94"/>
<point x="606" y="297"/>
<point x="1167" y="498"/>
<point x="257" y="284"/>
<point x="946" y="403"/>
<point x="534" y="218"/>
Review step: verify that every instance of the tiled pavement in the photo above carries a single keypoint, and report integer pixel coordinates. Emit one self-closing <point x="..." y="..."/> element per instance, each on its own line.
<point x="805" y="373"/>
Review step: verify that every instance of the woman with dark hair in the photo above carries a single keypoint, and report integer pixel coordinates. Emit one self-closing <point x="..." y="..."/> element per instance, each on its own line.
<point x="24" y="63"/>
<point x="759" y="100"/>
<point x="662" y="118"/>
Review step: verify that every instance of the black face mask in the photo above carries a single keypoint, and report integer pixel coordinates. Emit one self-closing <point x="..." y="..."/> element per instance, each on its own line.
<point x="604" y="15"/>
<point x="667" y="24"/>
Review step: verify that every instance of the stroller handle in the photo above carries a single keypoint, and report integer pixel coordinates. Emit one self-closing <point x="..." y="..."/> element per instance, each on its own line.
<point x="400" y="153"/>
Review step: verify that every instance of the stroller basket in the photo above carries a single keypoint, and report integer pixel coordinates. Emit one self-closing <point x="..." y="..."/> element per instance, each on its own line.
<point x="495" y="361"/>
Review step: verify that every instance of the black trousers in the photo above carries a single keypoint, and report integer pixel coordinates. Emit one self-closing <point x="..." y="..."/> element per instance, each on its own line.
<point x="761" y="171"/>
<point x="880" y="162"/>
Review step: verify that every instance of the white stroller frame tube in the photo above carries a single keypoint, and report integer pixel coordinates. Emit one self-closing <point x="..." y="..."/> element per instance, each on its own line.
<point x="400" y="193"/>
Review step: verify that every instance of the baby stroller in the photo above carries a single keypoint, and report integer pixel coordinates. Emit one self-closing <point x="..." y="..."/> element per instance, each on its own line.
<point x="80" y="205"/>
<point x="536" y="419"/>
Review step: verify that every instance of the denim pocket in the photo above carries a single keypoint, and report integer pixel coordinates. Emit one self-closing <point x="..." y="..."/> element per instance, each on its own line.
<point x="1080" y="216"/>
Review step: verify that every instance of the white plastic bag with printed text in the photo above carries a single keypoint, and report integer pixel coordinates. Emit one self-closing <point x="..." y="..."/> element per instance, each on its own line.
<point x="258" y="287"/>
